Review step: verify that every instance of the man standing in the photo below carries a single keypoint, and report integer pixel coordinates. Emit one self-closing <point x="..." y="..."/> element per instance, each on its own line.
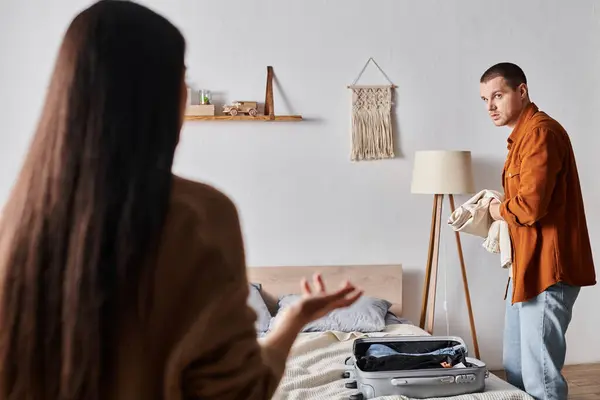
<point x="552" y="256"/>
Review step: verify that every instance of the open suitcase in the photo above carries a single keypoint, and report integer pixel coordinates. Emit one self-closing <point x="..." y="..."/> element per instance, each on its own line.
<point x="413" y="366"/>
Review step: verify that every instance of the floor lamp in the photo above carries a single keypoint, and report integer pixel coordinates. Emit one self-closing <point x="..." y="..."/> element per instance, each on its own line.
<point x="439" y="173"/>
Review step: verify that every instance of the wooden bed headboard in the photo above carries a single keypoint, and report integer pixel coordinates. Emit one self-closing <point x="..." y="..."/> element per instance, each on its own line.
<point x="381" y="281"/>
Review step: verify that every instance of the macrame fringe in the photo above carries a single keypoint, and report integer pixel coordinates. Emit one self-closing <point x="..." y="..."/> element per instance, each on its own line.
<point x="372" y="137"/>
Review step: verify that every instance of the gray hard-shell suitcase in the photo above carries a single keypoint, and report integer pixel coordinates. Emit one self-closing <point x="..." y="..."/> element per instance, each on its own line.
<point x="414" y="372"/>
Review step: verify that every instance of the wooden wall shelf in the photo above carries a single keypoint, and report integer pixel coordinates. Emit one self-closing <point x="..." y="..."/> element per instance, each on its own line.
<point x="263" y="118"/>
<point x="268" y="116"/>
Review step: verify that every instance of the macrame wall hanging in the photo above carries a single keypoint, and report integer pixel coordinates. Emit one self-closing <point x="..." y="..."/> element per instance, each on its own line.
<point x="372" y="133"/>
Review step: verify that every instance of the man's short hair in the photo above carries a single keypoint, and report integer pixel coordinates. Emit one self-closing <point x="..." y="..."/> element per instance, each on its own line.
<point x="512" y="74"/>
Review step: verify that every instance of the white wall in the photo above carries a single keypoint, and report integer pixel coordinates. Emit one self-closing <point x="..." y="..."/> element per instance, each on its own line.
<point x="302" y="201"/>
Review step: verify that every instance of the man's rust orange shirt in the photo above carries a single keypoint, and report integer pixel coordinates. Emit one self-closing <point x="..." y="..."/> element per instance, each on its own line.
<point x="544" y="208"/>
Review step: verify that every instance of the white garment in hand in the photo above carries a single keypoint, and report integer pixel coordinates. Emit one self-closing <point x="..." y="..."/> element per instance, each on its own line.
<point x="474" y="217"/>
<point x="498" y="241"/>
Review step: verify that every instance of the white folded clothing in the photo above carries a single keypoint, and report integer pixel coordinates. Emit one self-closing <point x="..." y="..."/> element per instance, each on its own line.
<point x="473" y="217"/>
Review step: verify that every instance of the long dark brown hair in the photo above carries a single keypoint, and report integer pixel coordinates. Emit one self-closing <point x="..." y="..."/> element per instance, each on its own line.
<point x="90" y="202"/>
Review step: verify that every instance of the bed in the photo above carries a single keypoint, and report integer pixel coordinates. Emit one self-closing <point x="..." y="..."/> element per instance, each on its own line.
<point x="317" y="360"/>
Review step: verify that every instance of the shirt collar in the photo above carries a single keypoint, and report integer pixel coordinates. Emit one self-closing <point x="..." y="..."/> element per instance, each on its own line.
<point x="519" y="130"/>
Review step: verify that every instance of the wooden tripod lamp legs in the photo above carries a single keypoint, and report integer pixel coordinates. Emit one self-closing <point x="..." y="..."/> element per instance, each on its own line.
<point x="431" y="270"/>
<point x="432" y="264"/>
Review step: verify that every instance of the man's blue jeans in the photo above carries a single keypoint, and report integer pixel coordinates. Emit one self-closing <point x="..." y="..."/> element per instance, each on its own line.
<point x="534" y="341"/>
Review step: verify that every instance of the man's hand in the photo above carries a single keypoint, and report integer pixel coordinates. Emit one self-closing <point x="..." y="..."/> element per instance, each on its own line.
<point x="495" y="210"/>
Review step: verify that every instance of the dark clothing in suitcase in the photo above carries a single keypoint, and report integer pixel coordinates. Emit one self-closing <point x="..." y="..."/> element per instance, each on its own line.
<point x="401" y="356"/>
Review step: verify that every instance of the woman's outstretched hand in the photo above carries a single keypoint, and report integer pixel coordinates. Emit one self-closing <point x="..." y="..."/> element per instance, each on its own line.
<point x="316" y="301"/>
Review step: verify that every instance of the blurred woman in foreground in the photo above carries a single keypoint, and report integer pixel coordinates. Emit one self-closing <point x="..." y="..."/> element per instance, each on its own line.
<point x="119" y="280"/>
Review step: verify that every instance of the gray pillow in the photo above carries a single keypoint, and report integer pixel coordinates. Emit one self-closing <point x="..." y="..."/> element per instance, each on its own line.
<point x="392" y="319"/>
<point x="365" y="315"/>
<point x="256" y="302"/>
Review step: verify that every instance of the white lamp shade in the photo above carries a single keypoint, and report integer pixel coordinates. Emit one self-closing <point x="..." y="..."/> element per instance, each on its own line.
<point x="442" y="172"/>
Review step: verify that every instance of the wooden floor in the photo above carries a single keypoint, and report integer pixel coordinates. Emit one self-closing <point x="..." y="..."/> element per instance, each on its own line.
<point x="584" y="381"/>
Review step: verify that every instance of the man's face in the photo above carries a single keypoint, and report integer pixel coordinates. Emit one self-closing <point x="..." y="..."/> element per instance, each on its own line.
<point x="503" y="104"/>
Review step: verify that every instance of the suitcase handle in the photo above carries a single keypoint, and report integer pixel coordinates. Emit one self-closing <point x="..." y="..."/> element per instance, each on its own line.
<point x="426" y="380"/>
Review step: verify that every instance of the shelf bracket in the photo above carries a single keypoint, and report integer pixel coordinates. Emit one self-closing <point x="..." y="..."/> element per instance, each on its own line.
<point x="269" y="104"/>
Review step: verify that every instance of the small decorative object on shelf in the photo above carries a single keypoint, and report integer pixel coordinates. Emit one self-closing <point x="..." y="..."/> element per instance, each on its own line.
<point x="241" y="110"/>
<point x="241" y="107"/>
<point x="204" y="108"/>
<point x="200" y="110"/>
<point x="205" y="96"/>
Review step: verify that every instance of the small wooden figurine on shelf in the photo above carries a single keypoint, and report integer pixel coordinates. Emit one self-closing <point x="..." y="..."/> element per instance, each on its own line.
<point x="241" y="107"/>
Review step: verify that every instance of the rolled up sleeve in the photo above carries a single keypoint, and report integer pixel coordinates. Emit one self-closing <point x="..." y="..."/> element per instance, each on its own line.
<point x="540" y="165"/>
